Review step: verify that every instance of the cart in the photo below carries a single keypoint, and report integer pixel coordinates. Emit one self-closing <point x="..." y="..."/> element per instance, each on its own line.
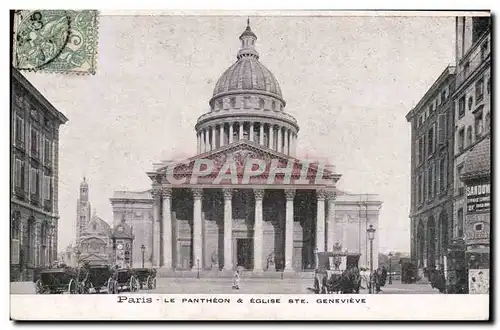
<point x="58" y="281"/>
<point x="126" y="280"/>
<point x="99" y="279"/>
<point x="146" y="277"/>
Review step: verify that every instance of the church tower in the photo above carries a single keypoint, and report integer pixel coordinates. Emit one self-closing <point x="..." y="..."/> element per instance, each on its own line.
<point x="82" y="208"/>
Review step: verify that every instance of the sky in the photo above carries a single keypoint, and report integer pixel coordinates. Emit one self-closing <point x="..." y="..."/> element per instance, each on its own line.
<point x="349" y="82"/>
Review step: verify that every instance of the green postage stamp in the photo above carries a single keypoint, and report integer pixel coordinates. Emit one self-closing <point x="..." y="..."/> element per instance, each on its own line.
<point x="59" y="41"/>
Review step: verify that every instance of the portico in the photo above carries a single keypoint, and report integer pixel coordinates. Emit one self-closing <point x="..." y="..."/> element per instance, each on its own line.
<point x="220" y="224"/>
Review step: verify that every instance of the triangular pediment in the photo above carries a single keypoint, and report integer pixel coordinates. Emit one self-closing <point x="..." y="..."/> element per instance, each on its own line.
<point x="244" y="162"/>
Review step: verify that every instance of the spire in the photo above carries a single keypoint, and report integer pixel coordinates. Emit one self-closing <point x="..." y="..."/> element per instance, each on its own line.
<point x="248" y="39"/>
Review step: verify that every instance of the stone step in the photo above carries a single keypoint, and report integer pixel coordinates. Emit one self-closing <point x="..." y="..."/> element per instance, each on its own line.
<point x="170" y="273"/>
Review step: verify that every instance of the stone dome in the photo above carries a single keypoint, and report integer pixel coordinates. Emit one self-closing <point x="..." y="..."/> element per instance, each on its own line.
<point x="247" y="74"/>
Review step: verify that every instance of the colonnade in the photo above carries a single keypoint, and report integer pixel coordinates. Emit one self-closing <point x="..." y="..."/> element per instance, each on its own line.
<point x="279" y="138"/>
<point x="163" y="219"/>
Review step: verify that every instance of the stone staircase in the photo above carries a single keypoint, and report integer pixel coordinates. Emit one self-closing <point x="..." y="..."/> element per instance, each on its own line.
<point x="203" y="273"/>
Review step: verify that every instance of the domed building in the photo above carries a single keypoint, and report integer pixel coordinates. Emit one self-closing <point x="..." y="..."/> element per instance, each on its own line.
<point x="244" y="199"/>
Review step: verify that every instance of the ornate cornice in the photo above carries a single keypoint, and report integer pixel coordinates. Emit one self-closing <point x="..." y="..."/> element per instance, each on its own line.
<point x="259" y="194"/>
<point x="166" y="192"/>
<point x="197" y="193"/>
<point x="156" y="193"/>
<point x="289" y="194"/>
<point x="228" y="193"/>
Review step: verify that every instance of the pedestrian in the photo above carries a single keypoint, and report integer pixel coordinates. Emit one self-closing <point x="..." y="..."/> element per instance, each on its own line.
<point x="375" y="281"/>
<point x="236" y="279"/>
<point x="383" y="276"/>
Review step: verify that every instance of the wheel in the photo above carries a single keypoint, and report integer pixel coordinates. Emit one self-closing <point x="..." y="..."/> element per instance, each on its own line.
<point x="38" y="287"/>
<point x="133" y="284"/>
<point x="110" y="286"/>
<point x="153" y="286"/>
<point x="149" y="283"/>
<point x="72" y="287"/>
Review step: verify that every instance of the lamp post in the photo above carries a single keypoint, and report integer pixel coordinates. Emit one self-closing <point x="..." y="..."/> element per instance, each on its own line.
<point x="390" y="267"/>
<point x="198" y="267"/>
<point x="143" y="249"/>
<point x="371" y="236"/>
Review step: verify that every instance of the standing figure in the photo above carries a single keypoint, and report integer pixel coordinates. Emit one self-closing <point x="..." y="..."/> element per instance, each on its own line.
<point x="383" y="276"/>
<point x="236" y="279"/>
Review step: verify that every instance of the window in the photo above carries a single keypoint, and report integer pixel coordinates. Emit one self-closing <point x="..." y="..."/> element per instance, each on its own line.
<point x="35" y="149"/>
<point x="484" y="50"/>
<point x="19" y="127"/>
<point x="469" y="136"/>
<point x="441" y="128"/>
<point x="461" y="139"/>
<point x="220" y="104"/>
<point x="246" y="102"/>
<point x="466" y="69"/>
<point x="419" y="189"/>
<point x="431" y="108"/>
<point x="479" y="90"/>
<point x="478" y="124"/>
<point x="420" y="150"/>
<point x="19" y="174"/>
<point x="47" y="150"/>
<point x="487" y="122"/>
<point x="442" y="175"/>
<point x="233" y="102"/>
<point x="470" y="102"/>
<point x="460" y="169"/>
<point x="460" y="223"/>
<point x="488" y="86"/>
<point x="461" y="107"/>
<point x="31" y="241"/>
<point x="430" y="182"/>
<point x="430" y="140"/>
<point x="478" y="227"/>
<point x="274" y="105"/>
<point x="261" y="103"/>
<point x="479" y="26"/>
<point x="443" y="96"/>
<point x="46" y="187"/>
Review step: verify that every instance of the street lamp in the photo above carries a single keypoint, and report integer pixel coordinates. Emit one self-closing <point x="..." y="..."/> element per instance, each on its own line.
<point x="143" y="249"/>
<point x="390" y="267"/>
<point x="371" y="235"/>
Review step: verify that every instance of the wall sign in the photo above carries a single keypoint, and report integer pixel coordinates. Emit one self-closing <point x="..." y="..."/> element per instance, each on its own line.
<point x="478" y="197"/>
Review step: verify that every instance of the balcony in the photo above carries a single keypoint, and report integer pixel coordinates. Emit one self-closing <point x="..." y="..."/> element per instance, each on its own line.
<point x="19" y="144"/>
<point x="35" y="154"/>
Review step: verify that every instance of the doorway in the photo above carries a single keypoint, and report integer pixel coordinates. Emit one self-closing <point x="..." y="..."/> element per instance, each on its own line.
<point x="244" y="252"/>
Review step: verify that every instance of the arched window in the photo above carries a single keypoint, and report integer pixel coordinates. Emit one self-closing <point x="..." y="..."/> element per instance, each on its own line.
<point x="460" y="223"/>
<point x="469" y="136"/>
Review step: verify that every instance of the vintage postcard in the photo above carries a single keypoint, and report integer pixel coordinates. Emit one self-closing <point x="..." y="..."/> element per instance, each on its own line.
<point x="250" y="165"/>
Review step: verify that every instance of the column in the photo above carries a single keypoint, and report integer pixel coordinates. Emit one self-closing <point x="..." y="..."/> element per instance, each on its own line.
<point x="231" y="132"/>
<point x="167" y="227"/>
<point x="241" y="131"/>
<point x="197" y="229"/>
<point x="280" y="141"/>
<point x="257" y="230"/>
<point x="156" y="194"/>
<point x="271" y="137"/>
<point x="221" y="135"/>
<point x="261" y="134"/>
<point x="212" y="145"/>
<point x="330" y="236"/>
<point x="292" y="144"/>
<point x="250" y="135"/>
<point x="198" y="148"/>
<point x="287" y="136"/>
<point x="320" y="220"/>
<point x="207" y="142"/>
<point x="228" y="229"/>
<point x="290" y="195"/>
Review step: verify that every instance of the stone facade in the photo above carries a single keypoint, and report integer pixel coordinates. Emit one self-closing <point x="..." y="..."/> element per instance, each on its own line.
<point x="34" y="164"/>
<point x="432" y="172"/>
<point x="264" y="222"/>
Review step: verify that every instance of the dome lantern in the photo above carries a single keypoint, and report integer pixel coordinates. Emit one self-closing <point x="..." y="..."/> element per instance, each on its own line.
<point x="248" y="39"/>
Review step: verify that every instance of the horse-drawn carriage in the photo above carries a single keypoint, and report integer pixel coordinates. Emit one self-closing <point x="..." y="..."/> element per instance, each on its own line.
<point x="337" y="272"/>
<point x="99" y="279"/>
<point x="58" y="281"/>
<point x="146" y="277"/>
<point x="126" y="280"/>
